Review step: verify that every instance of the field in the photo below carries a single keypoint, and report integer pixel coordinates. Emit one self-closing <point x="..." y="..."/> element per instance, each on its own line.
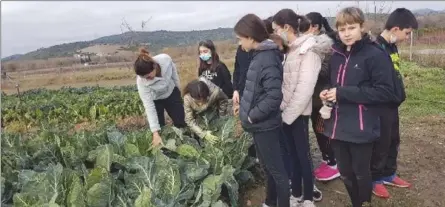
<point x="85" y="114"/>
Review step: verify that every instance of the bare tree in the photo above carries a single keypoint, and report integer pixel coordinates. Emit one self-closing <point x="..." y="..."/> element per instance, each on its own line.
<point x="133" y="36"/>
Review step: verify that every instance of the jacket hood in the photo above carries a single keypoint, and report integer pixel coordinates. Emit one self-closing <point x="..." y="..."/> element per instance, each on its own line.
<point x="320" y="44"/>
<point x="267" y="45"/>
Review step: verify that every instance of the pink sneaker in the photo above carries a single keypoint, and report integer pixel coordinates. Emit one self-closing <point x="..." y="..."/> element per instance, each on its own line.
<point x="321" y="168"/>
<point x="329" y="173"/>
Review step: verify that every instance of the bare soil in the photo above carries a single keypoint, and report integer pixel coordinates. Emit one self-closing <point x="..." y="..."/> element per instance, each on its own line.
<point x="421" y="161"/>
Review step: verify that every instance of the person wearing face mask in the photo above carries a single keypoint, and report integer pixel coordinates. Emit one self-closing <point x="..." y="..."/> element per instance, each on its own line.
<point x="398" y="28"/>
<point x="360" y="85"/>
<point x="213" y="69"/>
<point x="201" y="96"/>
<point x="301" y="67"/>
<point x="158" y="87"/>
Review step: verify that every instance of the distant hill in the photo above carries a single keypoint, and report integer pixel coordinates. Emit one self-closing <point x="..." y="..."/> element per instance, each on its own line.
<point x="423" y="12"/>
<point x="156" y="41"/>
<point x="161" y="39"/>
<point x="12" y="57"/>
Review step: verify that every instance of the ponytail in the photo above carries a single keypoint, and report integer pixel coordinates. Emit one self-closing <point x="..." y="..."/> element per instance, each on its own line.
<point x="144" y="54"/>
<point x="326" y="25"/>
<point x="317" y="19"/>
<point x="303" y="24"/>
<point x="145" y="64"/>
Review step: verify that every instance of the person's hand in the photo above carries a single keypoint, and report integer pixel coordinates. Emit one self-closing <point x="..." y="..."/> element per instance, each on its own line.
<point x="331" y="95"/>
<point x="156" y="139"/>
<point x="249" y="120"/>
<point x="323" y="95"/>
<point x="212" y="139"/>
<point x="235" y="98"/>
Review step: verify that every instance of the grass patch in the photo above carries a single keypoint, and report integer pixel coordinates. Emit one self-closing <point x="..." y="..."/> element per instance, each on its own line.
<point x="425" y="89"/>
<point x="426" y="60"/>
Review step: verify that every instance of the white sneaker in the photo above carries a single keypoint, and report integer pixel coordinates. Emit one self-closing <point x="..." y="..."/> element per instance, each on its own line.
<point x="296" y="201"/>
<point x="317" y="194"/>
<point x="308" y="203"/>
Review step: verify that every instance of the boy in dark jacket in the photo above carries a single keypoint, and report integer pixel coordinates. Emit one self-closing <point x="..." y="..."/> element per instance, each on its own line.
<point x="398" y="28"/>
<point x="361" y="82"/>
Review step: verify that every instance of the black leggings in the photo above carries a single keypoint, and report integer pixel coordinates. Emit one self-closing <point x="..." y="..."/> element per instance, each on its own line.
<point x="324" y="143"/>
<point x="174" y="107"/>
<point x="354" y="161"/>
<point x="297" y="135"/>
<point x="268" y="150"/>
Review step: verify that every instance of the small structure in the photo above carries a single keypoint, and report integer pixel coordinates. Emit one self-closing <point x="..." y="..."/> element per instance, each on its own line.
<point x="84" y="58"/>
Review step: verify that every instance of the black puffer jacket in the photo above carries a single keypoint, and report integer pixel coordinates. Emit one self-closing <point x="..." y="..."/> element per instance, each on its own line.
<point x="262" y="94"/>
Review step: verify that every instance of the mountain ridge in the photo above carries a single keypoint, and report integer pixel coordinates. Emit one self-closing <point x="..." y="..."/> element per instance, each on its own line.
<point x="155" y="39"/>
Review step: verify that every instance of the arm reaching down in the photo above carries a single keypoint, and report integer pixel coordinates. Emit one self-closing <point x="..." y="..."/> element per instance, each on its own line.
<point x="190" y="118"/>
<point x="149" y="105"/>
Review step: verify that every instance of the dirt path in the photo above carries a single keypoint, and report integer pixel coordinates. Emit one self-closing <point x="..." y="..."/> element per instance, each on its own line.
<point x="421" y="161"/>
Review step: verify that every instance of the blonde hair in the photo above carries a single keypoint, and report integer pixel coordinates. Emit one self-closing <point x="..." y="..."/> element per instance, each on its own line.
<point x="349" y="15"/>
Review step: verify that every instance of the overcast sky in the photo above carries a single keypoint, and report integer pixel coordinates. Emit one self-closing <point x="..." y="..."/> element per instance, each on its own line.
<point x="27" y="26"/>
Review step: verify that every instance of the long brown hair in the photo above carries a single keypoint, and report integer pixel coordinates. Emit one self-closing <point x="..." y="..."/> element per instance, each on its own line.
<point x="215" y="57"/>
<point x="145" y="64"/>
<point x="251" y="26"/>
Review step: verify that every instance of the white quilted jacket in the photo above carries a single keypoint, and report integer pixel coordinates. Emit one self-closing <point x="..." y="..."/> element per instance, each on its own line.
<point x="301" y="67"/>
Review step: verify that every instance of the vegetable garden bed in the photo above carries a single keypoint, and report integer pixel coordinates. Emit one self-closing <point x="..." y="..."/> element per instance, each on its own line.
<point x="109" y="167"/>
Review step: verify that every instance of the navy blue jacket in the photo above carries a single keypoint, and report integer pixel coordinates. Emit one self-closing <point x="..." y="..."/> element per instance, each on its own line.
<point x="364" y="81"/>
<point x="262" y="94"/>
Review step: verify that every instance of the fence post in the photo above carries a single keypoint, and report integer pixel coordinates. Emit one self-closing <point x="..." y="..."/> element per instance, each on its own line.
<point x="411" y="48"/>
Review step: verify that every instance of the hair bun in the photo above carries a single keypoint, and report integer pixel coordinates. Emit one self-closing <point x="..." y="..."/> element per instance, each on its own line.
<point x="143" y="51"/>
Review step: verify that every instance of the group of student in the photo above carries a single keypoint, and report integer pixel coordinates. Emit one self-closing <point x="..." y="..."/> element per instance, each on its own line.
<point x="289" y="69"/>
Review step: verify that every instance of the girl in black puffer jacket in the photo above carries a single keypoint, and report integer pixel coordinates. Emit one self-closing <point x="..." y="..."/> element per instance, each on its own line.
<point x="260" y="104"/>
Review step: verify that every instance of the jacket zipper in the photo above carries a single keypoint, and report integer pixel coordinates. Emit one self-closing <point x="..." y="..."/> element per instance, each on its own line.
<point x="341" y="81"/>
<point x="360" y="112"/>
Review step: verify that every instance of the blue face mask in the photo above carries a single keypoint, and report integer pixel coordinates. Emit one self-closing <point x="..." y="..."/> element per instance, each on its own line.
<point x="205" y="56"/>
